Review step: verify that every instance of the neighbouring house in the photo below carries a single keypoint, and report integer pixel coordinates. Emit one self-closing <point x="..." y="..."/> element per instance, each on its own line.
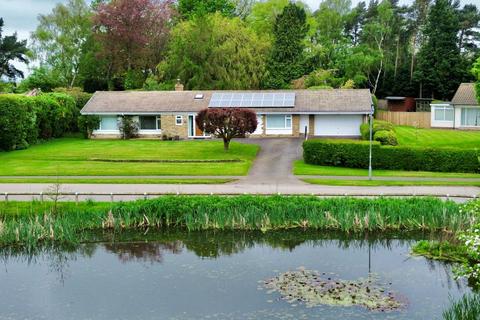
<point x="463" y="112"/>
<point x="286" y="113"/>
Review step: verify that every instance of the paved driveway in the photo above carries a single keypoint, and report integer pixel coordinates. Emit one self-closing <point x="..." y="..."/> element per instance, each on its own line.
<point x="274" y="162"/>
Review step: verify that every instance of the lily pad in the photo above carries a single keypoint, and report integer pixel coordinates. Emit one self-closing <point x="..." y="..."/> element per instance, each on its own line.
<point x="314" y="288"/>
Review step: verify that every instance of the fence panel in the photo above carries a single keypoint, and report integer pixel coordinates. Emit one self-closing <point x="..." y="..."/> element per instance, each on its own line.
<point x="415" y="119"/>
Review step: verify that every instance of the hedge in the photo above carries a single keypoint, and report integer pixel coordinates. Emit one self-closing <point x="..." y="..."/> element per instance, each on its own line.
<point x="17" y="122"/>
<point x="25" y="119"/>
<point x="355" y="154"/>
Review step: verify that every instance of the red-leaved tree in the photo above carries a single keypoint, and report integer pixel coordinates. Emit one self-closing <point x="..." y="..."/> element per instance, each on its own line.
<point x="227" y="123"/>
<point x="133" y="33"/>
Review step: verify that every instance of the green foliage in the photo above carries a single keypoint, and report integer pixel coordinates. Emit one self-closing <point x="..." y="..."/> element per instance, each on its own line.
<point x="439" y="67"/>
<point x="440" y="250"/>
<point x="81" y="97"/>
<point x="214" y="52"/>
<point x="287" y="58"/>
<point x="87" y="124"/>
<point x="128" y="128"/>
<point x="34" y="223"/>
<point x="48" y="114"/>
<point x="133" y="79"/>
<point x="476" y="73"/>
<point x="263" y="15"/>
<point x="11" y="50"/>
<point x="60" y="37"/>
<point x="355" y="154"/>
<point x="42" y="78"/>
<point x="378" y="125"/>
<point x="66" y="115"/>
<point x="151" y="84"/>
<point x="189" y="9"/>
<point x="17" y="122"/>
<point x="386" y="137"/>
<point x="467" y="308"/>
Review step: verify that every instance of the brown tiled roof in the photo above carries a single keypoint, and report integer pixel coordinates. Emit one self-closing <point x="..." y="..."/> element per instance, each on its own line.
<point x="325" y="100"/>
<point x="465" y="95"/>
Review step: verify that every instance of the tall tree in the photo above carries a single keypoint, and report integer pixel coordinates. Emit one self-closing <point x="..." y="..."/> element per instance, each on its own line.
<point x="132" y="35"/>
<point x="11" y="50"/>
<point x="469" y="36"/>
<point x="376" y="33"/>
<point x="192" y="8"/>
<point x="60" y="37"/>
<point x="287" y="57"/>
<point x="215" y="52"/>
<point x="439" y="62"/>
<point x="418" y="17"/>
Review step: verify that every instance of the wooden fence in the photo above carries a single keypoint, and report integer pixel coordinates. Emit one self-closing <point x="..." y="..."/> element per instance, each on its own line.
<point x="415" y="119"/>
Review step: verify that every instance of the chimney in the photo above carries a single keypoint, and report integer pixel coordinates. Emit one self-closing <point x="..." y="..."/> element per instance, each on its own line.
<point x="178" y="86"/>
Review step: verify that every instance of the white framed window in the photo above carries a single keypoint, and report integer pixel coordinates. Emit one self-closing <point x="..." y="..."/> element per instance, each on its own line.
<point x="108" y="123"/>
<point x="279" y="121"/>
<point x="470" y="117"/>
<point x="443" y="113"/>
<point x="150" y="122"/>
<point x="179" y="120"/>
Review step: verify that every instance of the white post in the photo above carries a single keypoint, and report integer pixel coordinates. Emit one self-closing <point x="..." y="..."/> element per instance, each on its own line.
<point x="371" y="141"/>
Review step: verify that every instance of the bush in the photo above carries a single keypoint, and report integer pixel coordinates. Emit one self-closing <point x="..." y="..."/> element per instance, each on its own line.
<point x="87" y="124"/>
<point x="355" y="154"/>
<point x="378" y="125"/>
<point x="386" y="137"/>
<point x="17" y="122"/>
<point x="128" y="128"/>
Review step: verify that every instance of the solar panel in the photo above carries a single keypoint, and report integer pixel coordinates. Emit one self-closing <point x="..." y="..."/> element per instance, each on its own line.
<point x="255" y="100"/>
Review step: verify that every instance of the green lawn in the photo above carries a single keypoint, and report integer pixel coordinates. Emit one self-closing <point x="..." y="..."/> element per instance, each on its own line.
<point x="374" y="183"/>
<point x="301" y="168"/>
<point x="438" y="137"/>
<point x="115" y="180"/>
<point x="74" y="157"/>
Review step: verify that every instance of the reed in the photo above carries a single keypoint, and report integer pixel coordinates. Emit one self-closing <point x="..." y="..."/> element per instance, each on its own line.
<point x="31" y="223"/>
<point x="466" y="308"/>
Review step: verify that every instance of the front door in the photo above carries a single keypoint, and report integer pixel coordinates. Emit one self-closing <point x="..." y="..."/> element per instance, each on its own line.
<point x="191" y="125"/>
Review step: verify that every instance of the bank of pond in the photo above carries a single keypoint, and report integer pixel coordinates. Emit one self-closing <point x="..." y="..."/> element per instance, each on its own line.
<point x="246" y="257"/>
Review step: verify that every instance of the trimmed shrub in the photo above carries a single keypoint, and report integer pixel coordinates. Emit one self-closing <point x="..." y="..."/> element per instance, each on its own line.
<point x="355" y="154"/>
<point x="17" y="122"/>
<point x="378" y="125"/>
<point x="386" y="137"/>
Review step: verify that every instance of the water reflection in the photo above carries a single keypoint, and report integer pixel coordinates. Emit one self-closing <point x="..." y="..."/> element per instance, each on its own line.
<point x="208" y="275"/>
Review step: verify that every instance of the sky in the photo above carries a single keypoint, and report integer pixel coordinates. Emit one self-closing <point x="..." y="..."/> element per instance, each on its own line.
<point x="21" y="15"/>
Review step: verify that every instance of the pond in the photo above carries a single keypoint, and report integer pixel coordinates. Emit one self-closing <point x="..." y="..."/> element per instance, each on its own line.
<point x="180" y="275"/>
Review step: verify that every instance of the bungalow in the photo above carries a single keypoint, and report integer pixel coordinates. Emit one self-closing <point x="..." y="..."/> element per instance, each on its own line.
<point x="286" y="113"/>
<point x="462" y="113"/>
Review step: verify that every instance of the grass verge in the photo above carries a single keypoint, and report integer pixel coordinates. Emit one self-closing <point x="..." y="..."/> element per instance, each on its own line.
<point x="115" y="181"/>
<point x="337" y="182"/>
<point x="302" y="168"/>
<point x="30" y="223"/>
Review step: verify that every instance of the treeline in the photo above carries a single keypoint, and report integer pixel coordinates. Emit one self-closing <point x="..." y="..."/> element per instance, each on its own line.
<point x="426" y="48"/>
<point x="24" y="120"/>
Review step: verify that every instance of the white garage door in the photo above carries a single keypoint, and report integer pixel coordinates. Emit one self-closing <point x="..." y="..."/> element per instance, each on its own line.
<point x="338" y="125"/>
